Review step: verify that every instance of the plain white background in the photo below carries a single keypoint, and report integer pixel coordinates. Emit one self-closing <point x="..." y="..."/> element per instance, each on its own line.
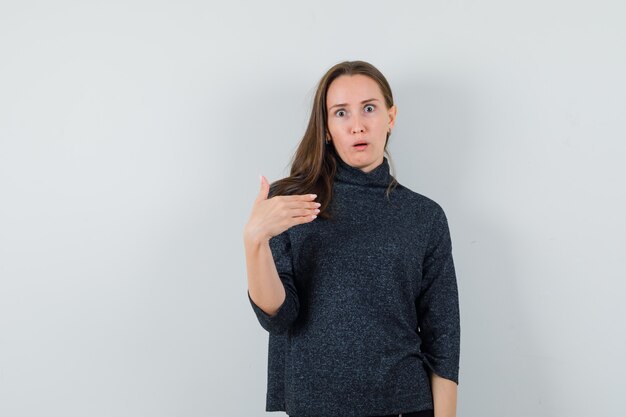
<point x="132" y="135"/>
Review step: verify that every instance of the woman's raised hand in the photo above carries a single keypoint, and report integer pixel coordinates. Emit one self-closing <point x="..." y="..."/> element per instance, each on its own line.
<point x="272" y="216"/>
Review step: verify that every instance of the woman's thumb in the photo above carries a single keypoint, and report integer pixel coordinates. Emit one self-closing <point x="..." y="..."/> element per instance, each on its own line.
<point x="265" y="188"/>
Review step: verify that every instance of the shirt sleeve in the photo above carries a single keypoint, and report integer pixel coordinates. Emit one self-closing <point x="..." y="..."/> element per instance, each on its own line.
<point x="438" y="303"/>
<point x="282" y="320"/>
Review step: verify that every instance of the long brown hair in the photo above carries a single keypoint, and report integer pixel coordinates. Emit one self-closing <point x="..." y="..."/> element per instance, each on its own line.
<point x="314" y="163"/>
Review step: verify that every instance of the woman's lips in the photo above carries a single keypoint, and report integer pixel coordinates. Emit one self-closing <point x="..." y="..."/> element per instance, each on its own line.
<point x="361" y="147"/>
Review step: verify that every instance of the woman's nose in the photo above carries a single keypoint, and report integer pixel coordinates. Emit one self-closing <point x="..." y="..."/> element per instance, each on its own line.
<point x="357" y="126"/>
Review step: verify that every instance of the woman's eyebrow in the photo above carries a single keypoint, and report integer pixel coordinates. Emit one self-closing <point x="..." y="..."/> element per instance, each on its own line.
<point x="345" y="104"/>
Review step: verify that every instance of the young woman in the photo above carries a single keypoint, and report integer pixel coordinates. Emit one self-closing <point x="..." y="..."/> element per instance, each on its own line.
<point x="357" y="291"/>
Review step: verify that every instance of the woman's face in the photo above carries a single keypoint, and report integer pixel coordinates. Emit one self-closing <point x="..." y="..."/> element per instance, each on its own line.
<point x="357" y="113"/>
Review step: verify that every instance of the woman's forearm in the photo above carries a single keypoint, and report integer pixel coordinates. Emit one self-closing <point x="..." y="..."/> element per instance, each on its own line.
<point x="444" y="396"/>
<point x="264" y="284"/>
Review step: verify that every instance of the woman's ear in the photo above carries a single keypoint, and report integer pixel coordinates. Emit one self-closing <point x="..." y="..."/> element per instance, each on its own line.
<point x="393" y="110"/>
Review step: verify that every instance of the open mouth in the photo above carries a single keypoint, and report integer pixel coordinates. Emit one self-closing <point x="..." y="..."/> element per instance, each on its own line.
<point x="360" y="146"/>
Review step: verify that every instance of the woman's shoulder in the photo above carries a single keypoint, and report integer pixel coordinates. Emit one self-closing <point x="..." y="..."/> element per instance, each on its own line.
<point x="417" y="200"/>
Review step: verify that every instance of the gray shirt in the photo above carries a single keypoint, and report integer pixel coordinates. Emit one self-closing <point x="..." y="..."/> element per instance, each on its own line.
<point x="371" y="304"/>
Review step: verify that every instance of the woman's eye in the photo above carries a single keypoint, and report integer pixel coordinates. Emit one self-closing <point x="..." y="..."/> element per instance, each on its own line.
<point x="370" y="105"/>
<point x="339" y="113"/>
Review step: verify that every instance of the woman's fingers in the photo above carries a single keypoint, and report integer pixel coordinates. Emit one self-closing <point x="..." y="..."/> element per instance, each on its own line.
<point x="294" y="200"/>
<point x="304" y="212"/>
<point x="272" y="216"/>
<point x="305" y="219"/>
<point x="302" y="208"/>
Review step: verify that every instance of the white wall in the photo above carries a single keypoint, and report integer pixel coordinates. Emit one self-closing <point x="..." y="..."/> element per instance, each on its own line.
<point x="132" y="135"/>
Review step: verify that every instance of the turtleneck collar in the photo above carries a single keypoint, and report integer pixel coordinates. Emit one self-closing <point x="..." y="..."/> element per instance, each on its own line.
<point x="378" y="177"/>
